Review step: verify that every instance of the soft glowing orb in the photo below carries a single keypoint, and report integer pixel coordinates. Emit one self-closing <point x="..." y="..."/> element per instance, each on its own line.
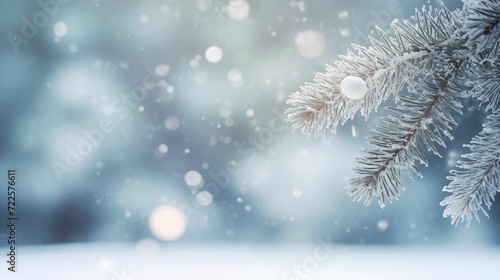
<point x="163" y="148"/>
<point x="204" y="198"/>
<point x="60" y="29"/>
<point x="382" y="225"/>
<point x="238" y="9"/>
<point x="310" y="43"/>
<point x="193" y="178"/>
<point x="167" y="223"/>
<point x="213" y="54"/>
<point x="172" y="123"/>
<point x="162" y="69"/>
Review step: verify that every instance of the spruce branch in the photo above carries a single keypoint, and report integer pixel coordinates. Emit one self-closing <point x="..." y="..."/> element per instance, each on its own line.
<point x="386" y="66"/>
<point x="482" y="23"/>
<point x="421" y="119"/>
<point x="441" y="57"/>
<point x="477" y="182"/>
<point x="484" y="79"/>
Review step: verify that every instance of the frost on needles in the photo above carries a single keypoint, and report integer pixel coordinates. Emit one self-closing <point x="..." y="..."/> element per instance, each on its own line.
<point x="442" y="57"/>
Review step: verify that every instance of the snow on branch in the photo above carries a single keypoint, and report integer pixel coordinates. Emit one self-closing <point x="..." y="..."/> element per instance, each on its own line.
<point x="484" y="79"/>
<point x="441" y="57"/>
<point x="483" y="24"/>
<point x="474" y="186"/>
<point x="421" y="119"/>
<point x="385" y="67"/>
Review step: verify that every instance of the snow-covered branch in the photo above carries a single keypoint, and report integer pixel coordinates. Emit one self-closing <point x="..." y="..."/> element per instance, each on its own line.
<point x="475" y="185"/>
<point x="421" y="119"/>
<point x="386" y="67"/>
<point x="441" y="57"/>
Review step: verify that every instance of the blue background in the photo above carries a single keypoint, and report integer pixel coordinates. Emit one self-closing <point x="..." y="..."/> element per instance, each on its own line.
<point x="289" y="189"/>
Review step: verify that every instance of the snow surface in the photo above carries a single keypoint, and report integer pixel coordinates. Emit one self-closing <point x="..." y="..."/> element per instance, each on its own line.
<point x="126" y="262"/>
<point x="353" y="87"/>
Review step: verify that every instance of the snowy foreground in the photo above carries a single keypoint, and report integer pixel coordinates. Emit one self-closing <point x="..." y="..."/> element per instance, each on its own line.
<point x="123" y="262"/>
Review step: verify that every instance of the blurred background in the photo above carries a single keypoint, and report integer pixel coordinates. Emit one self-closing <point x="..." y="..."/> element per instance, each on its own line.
<point x="148" y="122"/>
